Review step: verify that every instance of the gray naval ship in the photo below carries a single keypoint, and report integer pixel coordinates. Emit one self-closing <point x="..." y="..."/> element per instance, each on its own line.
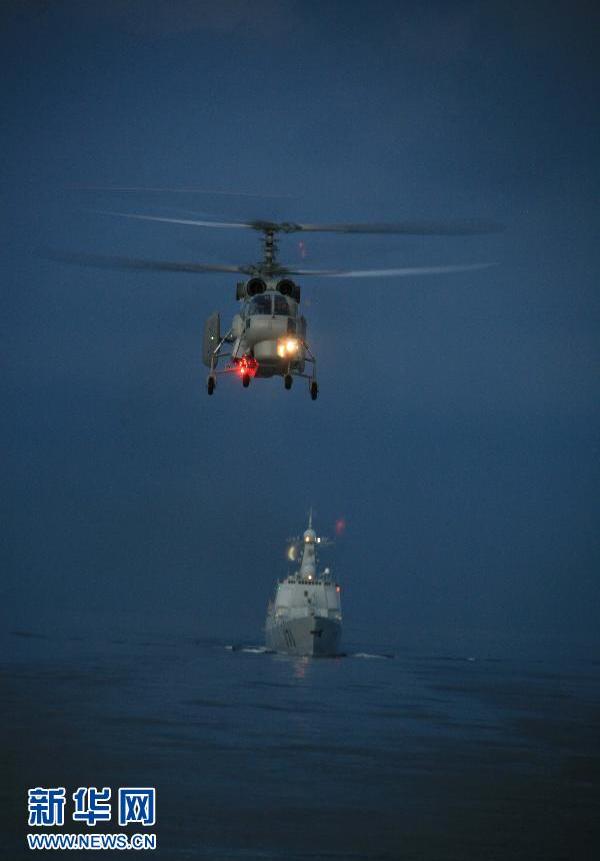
<point x="305" y="616"/>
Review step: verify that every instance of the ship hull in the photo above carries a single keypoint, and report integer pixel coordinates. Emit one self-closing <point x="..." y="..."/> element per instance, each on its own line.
<point x="315" y="636"/>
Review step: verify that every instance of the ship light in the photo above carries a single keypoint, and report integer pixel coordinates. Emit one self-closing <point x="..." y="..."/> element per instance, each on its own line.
<point x="281" y="350"/>
<point x="307" y="538"/>
<point x="338" y="588"/>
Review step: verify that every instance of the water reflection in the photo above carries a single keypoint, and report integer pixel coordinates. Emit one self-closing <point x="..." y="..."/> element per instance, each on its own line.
<point x="301" y="667"/>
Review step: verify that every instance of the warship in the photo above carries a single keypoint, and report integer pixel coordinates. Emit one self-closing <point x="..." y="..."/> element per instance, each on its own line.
<point x="305" y="616"/>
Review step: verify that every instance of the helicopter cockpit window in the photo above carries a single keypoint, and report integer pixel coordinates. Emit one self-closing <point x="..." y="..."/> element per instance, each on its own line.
<point x="260" y="304"/>
<point x="280" y="305"/>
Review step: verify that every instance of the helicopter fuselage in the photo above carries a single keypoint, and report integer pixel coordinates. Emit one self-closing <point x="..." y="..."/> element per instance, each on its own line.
<point x="267" y="336"/>
<point x="269" y="329"/>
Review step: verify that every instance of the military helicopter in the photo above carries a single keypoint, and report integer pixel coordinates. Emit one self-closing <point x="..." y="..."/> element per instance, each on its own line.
<point x="268" y="336"/>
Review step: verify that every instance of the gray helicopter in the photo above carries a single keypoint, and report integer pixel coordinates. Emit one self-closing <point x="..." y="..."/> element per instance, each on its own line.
<point x="268" y="336"/>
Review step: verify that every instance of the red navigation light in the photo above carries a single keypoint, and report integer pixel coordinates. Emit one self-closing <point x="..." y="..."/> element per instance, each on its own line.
<point x="247" y="366"/>
<point x="338" y="588"/>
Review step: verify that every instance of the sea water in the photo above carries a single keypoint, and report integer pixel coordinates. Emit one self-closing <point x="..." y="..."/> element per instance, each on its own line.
<point x="377" y="755"/>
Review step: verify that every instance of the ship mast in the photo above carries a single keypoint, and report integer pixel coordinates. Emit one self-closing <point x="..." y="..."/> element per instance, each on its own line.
<point x="308" y="565"/>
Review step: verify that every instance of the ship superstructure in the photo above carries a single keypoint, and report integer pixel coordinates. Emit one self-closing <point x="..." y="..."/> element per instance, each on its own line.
<point x="305" y="616"/>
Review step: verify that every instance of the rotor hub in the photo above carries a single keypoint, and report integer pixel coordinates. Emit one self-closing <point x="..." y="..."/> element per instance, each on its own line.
<point x="269" y="247"/>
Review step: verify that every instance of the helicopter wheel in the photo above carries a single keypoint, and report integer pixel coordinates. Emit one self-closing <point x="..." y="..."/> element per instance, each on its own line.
<point x="210" y="385"/>
<point x="246" y="380"/>
<point x="314" y="390"/>
<point x="287" y="381"/>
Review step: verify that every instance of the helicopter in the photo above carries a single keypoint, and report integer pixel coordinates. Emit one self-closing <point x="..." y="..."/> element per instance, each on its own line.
<point x="268" y="335"/>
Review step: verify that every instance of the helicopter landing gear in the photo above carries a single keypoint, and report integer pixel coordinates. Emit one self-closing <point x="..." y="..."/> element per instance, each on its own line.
<point x="245" y="380"/>
<point x="314" y="390"/>
<point x="210" y="384"/>
<point x="287" y="381"/>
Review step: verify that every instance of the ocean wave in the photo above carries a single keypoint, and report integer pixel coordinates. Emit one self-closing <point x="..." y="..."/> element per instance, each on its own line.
<point x="370" y="656"/>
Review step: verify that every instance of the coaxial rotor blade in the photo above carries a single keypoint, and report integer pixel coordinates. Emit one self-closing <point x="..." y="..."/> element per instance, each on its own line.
<point x="403" y="271"/>
<point x="208" y="192"/>
<point x="121" y="262"/>
<point x="408" y="228"/>
<point x="115" y="262"/>
<point x="188" y="221"/>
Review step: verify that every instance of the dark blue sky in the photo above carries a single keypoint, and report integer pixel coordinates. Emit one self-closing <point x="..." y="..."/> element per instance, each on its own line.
<point x="457" y="426"/>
